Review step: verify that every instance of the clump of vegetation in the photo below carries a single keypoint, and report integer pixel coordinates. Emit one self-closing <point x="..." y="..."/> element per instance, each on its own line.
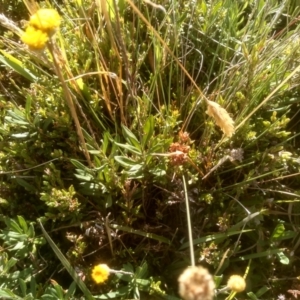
<point x="140" y="138"/>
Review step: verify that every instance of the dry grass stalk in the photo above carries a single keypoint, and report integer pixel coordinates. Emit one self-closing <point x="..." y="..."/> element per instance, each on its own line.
<point x="9" y="24"/>
<point x="221" y="116"/>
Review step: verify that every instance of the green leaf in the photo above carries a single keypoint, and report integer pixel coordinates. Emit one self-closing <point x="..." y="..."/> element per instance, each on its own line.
<point x="142" y="271"/>
<point x="16" y="65"/>
<point x="130" y="148"/>
<point x="12" y="224"/>
<point x="278" y="232"/>
<point x="20" y="135"/>
<point x="33" y="286"/>
<point x="246" y="220"/>
<point x="8" y="294"/>
<point x="252" y="296"/>
<point x="80" y="166"/>
<point x="262" y="291"/>
<point x="123" y="291"/>
<point x="9" y="264"/>
<point x="25" y="184"/>
<point x="125" y="161"/>
<point x="282" y="258"/>
<point x="105" y="141"/>
<point x="131" y="138"/>
<point x="49" y="297"/>
<point x="18" y="246"/>
<point x="23" y="286"/>
<point x="16" y="116"/>
<point x="71" y="290"/>
<point x="59" y="290"/>
<point x="23" y="223"/>
<point x="142" y="283"/>
<point x="30" y="232"/>
<point x="218" y="280"/>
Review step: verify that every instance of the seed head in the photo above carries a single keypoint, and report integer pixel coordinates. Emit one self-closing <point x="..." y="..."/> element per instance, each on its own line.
<point x="196" y="283"/>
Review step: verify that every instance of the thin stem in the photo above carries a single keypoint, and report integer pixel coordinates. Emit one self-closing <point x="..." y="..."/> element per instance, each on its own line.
<point x="189" y="222"/>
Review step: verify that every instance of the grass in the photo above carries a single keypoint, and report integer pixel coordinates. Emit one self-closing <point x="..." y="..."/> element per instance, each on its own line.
<point x="108" y="157"/>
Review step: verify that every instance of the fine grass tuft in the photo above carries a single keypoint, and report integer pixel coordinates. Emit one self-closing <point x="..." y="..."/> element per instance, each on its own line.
<point x="148" y="137"/>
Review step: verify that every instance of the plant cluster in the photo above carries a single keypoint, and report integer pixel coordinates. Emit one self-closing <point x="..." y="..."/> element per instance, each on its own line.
<point x="139" y="140"/>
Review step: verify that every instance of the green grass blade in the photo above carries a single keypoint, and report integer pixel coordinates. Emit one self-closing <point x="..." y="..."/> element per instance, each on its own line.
<point x="213" y="237"/>
<point x="67" y="265"/>
<point x="16" y="65"/>
<point x="142" y="233"/>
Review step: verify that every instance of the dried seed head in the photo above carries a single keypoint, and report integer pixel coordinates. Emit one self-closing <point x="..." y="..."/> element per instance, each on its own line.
<point x="196" y="283"/>
<point x="221" y="117"/>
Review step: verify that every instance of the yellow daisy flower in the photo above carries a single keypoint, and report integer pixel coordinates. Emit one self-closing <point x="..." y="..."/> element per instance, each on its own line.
<point x="35" y="39"/>
<point x="236" y="283"/>
<point x="46" y="20"/>
<point x="100" y="273"/>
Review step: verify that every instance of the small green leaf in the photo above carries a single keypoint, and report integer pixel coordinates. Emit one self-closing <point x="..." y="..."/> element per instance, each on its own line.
<point x="20" y="135"/>
<point x="252" y="296"/>
<point x="25" y="184"/>
<point x="59" y="290"/>
<point x="278" y="232"/>
<point x="262" y="291"/>
<point x="79" y="165"/>
<point x="10" y="264"/>
<point x="282" y="258"/>
<point x="8" y="294"/>
<point x="22" y="223"/>
<point x="18" y="246"/>
<point x="71" y="290"/>
<point x="23" y="286"/>
<point x="30" y="232"/>
<point x="218" y="280"/>
<point x="125" y="161"/>
<point x="12" y="224"/>
<point x="33" y="286"/>
<point x="142" y="271"/>
<point x="131" y="138"/>
<point x="130" y="148"/>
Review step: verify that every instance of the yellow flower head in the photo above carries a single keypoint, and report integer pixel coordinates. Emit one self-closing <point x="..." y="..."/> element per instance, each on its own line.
<point x="35" y="39"/>
<point x="46" y="20"/>
<point x="236" y="283"/>
<point x="100" y="273"/>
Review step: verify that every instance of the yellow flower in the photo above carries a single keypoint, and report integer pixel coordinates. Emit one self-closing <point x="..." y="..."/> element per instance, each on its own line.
<point x="100" y="273"/>
<point x="34" y="38"/>
<point x="46" y="20"/>
<point x="236" y="283"/>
